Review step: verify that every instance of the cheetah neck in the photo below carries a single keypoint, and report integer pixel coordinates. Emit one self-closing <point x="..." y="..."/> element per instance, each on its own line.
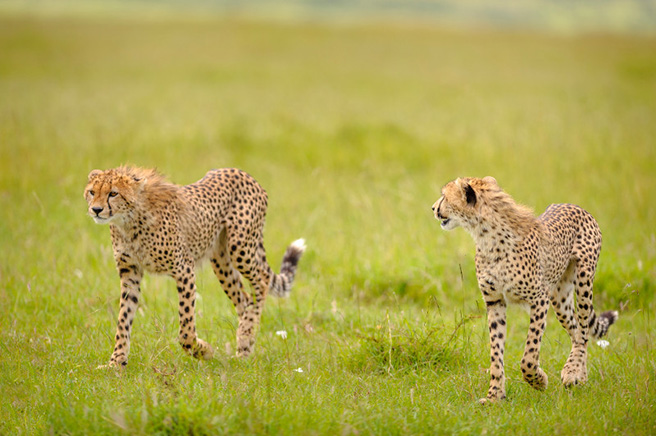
<point x="141" y="219"/>
<point x="125" y="225"/>
<point x="495" y="234"/>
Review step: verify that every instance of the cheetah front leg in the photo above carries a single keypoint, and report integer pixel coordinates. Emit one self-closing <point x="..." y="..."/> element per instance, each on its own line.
<point x="131" y="277"/>
<point x="530" y="366"/>
<point x="496" y="321"/>
<point x="186" y="284"/>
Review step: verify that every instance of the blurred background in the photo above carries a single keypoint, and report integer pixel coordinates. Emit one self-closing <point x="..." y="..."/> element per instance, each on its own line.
<point x="560" y="16"/>
<point x="351" y="114"/>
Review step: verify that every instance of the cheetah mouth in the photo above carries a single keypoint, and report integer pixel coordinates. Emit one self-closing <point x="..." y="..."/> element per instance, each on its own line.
<point x="100" y="220"/>
<point x="445" y="222"/>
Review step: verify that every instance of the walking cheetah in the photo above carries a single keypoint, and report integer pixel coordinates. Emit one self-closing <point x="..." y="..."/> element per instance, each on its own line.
<point x="531" y="261"/>
<point x="162" y="228"/>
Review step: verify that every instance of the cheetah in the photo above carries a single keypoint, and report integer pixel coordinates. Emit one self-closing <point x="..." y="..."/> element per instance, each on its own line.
<point x="531" y="261"/>
<point x="162" y="228"/>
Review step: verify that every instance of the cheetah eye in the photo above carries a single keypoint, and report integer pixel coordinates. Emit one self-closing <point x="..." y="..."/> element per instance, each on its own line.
<point x="92" y="193"/>
<point x="113" y="194"/>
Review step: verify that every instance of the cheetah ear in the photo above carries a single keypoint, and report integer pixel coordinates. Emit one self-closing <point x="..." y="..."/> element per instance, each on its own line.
<point x="470" y="194"/>
<point x="139" y="182"/>
<point x="467" y="191"/>
<point x="490" y="180"/>
<point x="94" y="173"/>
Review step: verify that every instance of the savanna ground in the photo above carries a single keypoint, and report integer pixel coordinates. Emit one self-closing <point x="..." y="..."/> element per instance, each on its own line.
<point x="352" y="129"/>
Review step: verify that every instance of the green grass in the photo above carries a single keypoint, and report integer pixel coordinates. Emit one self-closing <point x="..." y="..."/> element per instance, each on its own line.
<point x="352" y="130"/>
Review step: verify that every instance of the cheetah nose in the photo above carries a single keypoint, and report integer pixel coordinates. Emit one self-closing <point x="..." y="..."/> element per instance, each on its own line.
<point x="97" y="210"/>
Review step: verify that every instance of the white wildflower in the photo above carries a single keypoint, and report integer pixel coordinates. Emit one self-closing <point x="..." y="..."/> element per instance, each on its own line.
<point x="282" y="334"/>
<point x="298" y="370"/>
<point x="603" y="343"/>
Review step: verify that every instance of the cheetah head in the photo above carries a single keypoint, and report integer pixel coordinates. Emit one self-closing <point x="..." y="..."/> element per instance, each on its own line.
<point x="459" y="204"/>
<point x="110" y="194"/>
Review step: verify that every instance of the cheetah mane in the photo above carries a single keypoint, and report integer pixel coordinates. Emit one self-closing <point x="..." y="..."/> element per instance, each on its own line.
<point x="498" y="202"/>
<point x="155" y="188"/>
<point x="494" y="204"/>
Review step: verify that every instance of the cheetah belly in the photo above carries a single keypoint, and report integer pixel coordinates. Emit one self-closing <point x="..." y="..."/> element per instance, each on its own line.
<point x="513" y="297"/>
<point x="208" y="250"/>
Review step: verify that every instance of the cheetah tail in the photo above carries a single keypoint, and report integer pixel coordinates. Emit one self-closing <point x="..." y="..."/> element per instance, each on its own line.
<point x="281" y="284"/>
<point x="599" y="325"/>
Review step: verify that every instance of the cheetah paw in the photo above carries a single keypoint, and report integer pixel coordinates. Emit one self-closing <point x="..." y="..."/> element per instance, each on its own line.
<point x="245" y="346"/>
<point x="572" y="377"/>
<point x="491" y="400"/>
<point x="113" y="364"/>
<point x="245" y="352"/>
<point x="203" y="350"/>
<point x="493" y="395"/>
<point x="539" y="380"/>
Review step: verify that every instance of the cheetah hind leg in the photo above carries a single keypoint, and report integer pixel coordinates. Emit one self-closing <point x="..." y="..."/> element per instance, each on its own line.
<point x="231" y="282"/>
<point x="249" y="321"/>
<point x="263" y="281"/>
<point x="562" y="300"/>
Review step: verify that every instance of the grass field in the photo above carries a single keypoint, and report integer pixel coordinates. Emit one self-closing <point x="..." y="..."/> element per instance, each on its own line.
<point x="352" y="130"/>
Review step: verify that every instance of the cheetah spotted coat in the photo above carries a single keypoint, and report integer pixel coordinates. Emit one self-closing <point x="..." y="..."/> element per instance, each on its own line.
<point x="531" y="261"/>
<point x="162" y="228"/>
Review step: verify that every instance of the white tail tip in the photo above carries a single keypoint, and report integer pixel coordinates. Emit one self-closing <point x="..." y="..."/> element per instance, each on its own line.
<point x="299" y="245"/>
